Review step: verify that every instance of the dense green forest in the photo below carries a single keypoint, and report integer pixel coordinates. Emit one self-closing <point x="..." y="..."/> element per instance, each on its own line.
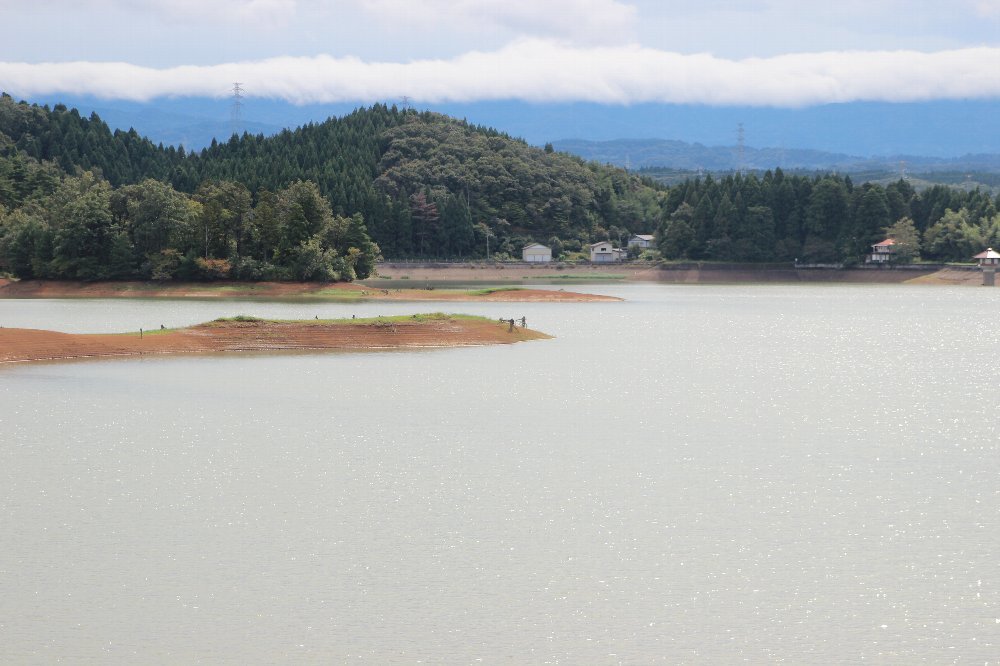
<point x="324" y="201"/>
<point x="776" y="217"/>
<point x="405" y="184"/>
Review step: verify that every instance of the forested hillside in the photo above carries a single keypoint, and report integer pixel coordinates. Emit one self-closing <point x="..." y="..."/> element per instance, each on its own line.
<point x="778" y="217"/>
<point x="423" y="184"/>
<point x="324" y="201"/>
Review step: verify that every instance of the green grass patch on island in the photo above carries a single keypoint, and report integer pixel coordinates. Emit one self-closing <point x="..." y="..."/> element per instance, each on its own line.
<point x="241" y="317"/>
<point x="490" y="290"/>
<point x="583" y="278"/>
<point x="432" y="316"/>
<point x="156" y="331"/>
<point x="341" y="294"/>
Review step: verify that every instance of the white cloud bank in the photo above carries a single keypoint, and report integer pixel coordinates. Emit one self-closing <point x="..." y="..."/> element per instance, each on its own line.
<point x="543" y="71"/>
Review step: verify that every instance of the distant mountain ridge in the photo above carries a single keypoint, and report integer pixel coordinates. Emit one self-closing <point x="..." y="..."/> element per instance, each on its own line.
<point x="939" y="129"/>
<point x="645" y="153"/>
<point x="177" y="129"/>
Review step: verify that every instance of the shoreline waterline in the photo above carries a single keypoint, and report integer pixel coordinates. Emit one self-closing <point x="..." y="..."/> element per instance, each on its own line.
<point x="338" y="291"/>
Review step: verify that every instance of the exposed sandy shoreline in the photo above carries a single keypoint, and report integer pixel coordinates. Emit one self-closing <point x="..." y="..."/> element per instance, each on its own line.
<point x="343" y="291"/>
<point x="689" y="273"/>
<point x="422" y="282"/>
<point x="417" y="331"/>
<point x="951" y="276"/>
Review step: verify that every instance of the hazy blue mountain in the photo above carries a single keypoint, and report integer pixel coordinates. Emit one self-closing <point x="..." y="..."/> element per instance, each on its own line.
<point x="175" y="129"/>
<point x="645" y="153"/>
<point x="935" y="129"/>
<point x="942" y="129"/>
<point x="191" y="122"/>
<point x="194" y="121"/>
<point x="642" y="153"/>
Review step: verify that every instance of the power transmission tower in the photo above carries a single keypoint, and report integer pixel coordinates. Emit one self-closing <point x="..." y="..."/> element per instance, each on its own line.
<point x="405" y="99"/>
<point x="741" y="150"/>
<point x="236" y="111"/>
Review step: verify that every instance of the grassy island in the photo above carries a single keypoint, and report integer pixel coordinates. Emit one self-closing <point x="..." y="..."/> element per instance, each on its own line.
<point x="249" y="334"/>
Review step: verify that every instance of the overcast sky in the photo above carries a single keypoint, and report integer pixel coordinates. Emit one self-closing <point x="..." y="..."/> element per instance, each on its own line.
<point x="760" y="52"/>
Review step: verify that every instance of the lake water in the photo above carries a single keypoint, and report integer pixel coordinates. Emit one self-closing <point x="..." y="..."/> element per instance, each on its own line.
<point x="700" y="474"/>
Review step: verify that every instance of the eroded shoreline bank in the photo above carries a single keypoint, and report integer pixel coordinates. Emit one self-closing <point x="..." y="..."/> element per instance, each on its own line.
<point x="680" y="273"/>
<point x="339" y="291"/>
<point x="459" y="282"/>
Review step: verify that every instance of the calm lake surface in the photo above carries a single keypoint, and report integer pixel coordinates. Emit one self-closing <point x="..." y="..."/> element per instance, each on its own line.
<point x="700" y="474"/>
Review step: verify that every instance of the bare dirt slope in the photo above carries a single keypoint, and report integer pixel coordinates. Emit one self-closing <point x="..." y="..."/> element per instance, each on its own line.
<point x="952" y="276"/>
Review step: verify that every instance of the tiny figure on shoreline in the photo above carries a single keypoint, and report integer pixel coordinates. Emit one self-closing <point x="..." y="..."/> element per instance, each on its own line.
<point x="524" y="322"/>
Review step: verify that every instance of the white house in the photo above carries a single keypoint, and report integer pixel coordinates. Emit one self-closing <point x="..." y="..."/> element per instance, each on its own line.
<point x="882" y="252"/>
<point x="643" y="241"/>
<point x="604" y="253"/>
<point x="536" y="253"/>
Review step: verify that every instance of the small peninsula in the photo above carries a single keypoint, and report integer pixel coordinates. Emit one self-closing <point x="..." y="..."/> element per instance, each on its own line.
<point x="249" y="334"/>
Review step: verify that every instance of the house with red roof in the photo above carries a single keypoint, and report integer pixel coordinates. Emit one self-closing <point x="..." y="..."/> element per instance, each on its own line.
<point x="882" y="253"/>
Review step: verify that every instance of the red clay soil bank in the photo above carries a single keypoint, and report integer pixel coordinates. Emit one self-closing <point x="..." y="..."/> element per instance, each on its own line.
<point x="19" y="344"/>
<point x="348" y="290"/>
